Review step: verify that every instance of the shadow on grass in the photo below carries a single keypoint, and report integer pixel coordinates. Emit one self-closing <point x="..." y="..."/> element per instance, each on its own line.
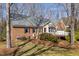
<point x="20" y="46"/>
<point x="40" y="51"/>
<point x="24" y="43"/>
<point x="21" y="53"/>
<point x="36" y="51"/>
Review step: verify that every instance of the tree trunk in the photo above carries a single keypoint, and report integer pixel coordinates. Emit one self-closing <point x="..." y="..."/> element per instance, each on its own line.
<point x="72" y="25"/>
<point x="0" y="22"/>
<point x="75" y="24"/>
<point x="8" y="34"/>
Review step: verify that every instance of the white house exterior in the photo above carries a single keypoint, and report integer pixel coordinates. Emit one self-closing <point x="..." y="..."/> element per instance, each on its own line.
<point x="61" y="33"/>
<point x="46" y="29"/>
<point x="51" y="28"/>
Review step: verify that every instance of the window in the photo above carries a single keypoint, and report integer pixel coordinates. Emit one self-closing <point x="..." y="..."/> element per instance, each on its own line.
<point x="26" y="30"/>
<point x="49" y="29"/>
<point x="44" y="29"/>
<point x="33" y="30"/>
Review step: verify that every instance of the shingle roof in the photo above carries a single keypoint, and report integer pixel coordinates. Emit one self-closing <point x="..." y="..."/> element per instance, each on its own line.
<point x="22" y="22"/>
<point x="25" y="22"/>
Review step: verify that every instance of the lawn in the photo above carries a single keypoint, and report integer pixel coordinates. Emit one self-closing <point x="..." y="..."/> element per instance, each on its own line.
<point x="56" y="51"/>
<point x="31" y="49"/>
<point x="2" y="44"/>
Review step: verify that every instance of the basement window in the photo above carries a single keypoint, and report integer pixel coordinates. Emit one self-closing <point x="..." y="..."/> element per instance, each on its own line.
<point x="26" y="30"/>
<point x="33" y="30"/>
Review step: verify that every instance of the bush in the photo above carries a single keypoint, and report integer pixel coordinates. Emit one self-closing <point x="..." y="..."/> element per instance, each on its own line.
<point x="77" y="35"/>
<point x="2" y="40"/>
<point x="67" y="38"/>
<point x="45" y="36"/>
<point x="22" y="38"/>
<point x="2" y="37"/>
<point x="3" y="31"/>
<point x="48" y="37"/>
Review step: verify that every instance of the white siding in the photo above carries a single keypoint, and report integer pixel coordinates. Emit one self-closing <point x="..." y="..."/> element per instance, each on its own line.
<point x="62" y="33"/>
<point x="47" y="28"/>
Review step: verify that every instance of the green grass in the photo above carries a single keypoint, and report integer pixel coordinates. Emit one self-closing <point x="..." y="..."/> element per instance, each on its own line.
<point x="2" y="44"/>
<point x="56" y="51"/>
<point x="31" y="49"/>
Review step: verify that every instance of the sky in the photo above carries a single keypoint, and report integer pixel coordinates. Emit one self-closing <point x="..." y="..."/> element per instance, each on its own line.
<point x="45" y="6"/>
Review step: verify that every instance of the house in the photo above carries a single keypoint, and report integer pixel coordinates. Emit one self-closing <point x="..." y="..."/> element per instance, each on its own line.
<point x="22" y="28"/>
<point x="57" y="28"/>
<point x="26" y="27"/>
<point x="49" y="28"/>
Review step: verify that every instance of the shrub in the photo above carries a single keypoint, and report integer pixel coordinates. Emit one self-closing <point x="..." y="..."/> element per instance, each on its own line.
<point x="2" y="39"/>
<point x="77" y="35"/>
<point x="67" y="38"/>
<point x="48" y="37"/>
<point x="22" y="38"/>
<point x="45" y="36"/>
<point x="3" y="31"/>
<point x="2" y="36"/>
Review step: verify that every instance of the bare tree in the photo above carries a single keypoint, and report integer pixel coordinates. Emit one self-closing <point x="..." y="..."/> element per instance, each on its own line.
<point x="36" y="9"/>
<point x="9" y="44"/>
<point x="0" y="21"/>
<point x="0" y="9"/>
<point x="72" y="23"/>
<point x="76" y="12"/>
<point x="70" y="10"/>
<point x="1" y="13"/>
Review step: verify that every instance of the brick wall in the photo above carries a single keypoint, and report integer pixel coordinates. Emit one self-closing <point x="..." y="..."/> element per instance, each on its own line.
<point x="20" y="32"/>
